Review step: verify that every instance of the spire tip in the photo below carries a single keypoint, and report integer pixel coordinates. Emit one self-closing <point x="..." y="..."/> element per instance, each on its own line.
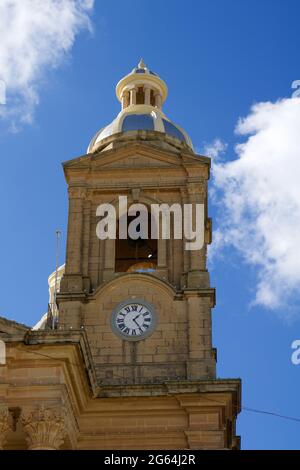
<point x="141" y="64"/>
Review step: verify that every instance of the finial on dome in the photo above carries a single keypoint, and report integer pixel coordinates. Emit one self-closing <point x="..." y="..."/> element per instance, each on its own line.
<point x="141" y="64"/>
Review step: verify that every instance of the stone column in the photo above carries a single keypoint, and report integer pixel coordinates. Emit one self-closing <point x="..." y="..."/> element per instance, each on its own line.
<point x="45" y="427"/>
<point x="125" y="99"/>
<point x="133" y="96"/>
<point x="158" y="100"/>
<point x="5" y="427"/>
<point x="147" y="92"/>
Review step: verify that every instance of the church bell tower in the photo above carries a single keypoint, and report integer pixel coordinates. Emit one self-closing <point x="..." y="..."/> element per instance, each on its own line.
<point x="144" y="304"/>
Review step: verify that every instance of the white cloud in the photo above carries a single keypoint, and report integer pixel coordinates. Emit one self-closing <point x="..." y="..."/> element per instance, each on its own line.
<point x="259" y="197"/>
<point x="35" y="35"/>
<point x="215" y="149"/>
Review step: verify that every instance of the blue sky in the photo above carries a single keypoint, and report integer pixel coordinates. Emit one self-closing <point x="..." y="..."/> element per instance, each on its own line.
<point x="218" y="57"/>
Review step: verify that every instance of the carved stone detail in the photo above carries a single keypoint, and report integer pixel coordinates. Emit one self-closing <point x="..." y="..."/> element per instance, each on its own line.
<point x="77" y="193"/>
<point x="135" y="192"/>
<point x="198" y="189"/>
<point x="5" y="426"/>
<point x="45" y="428"/>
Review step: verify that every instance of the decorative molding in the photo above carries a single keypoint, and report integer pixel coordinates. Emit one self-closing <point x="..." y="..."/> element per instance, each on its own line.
<point x="135" y="192"/>
<point x="45" y="427"/>
<point x="197" y="188"/>
<point x="77" y="193"/>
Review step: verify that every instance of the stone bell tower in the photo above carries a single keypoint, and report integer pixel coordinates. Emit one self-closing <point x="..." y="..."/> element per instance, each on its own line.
<point x="145" y="305"/>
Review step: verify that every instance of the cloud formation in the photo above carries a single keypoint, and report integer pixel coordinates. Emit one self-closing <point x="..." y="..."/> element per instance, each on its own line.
<point x="35" y="35"/>
<point x="259" y="199"/>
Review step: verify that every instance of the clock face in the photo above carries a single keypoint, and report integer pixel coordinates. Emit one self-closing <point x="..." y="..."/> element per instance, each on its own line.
<point x="133" y="320"/>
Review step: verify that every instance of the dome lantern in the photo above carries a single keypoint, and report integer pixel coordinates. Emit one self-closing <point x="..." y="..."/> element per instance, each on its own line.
<point x="141" y="87"/>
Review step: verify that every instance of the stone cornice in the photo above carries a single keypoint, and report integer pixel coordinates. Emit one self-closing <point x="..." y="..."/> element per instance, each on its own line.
<point x="86" y="162"/>
<point x="143" y="137"/>
<point x="175" y="388"/>
<point x="49" y="337"/>
<point x="46" y="338"/>
<point x="9" y="326"/>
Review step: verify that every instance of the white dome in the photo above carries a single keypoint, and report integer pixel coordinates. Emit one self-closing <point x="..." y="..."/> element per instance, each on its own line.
<point x="140" y="117"/>
<point x="142" y="94"/>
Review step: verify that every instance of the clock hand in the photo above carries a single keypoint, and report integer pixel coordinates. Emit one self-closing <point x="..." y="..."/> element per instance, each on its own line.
<point x="137" y="316"/>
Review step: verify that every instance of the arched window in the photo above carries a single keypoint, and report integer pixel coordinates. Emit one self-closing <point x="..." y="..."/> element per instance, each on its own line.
<point x="136" y="255"/>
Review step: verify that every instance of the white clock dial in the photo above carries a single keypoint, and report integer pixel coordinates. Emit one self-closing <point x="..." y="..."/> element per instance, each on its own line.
<point x="133" y="320"/>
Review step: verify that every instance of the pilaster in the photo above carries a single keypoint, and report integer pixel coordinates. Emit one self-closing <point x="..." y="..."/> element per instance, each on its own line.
<point x="72" y="280"/>
<point x="198" y="276"/>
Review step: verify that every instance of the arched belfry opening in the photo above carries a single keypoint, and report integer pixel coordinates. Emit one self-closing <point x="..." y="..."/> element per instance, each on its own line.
<point x="138" y="254"/>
